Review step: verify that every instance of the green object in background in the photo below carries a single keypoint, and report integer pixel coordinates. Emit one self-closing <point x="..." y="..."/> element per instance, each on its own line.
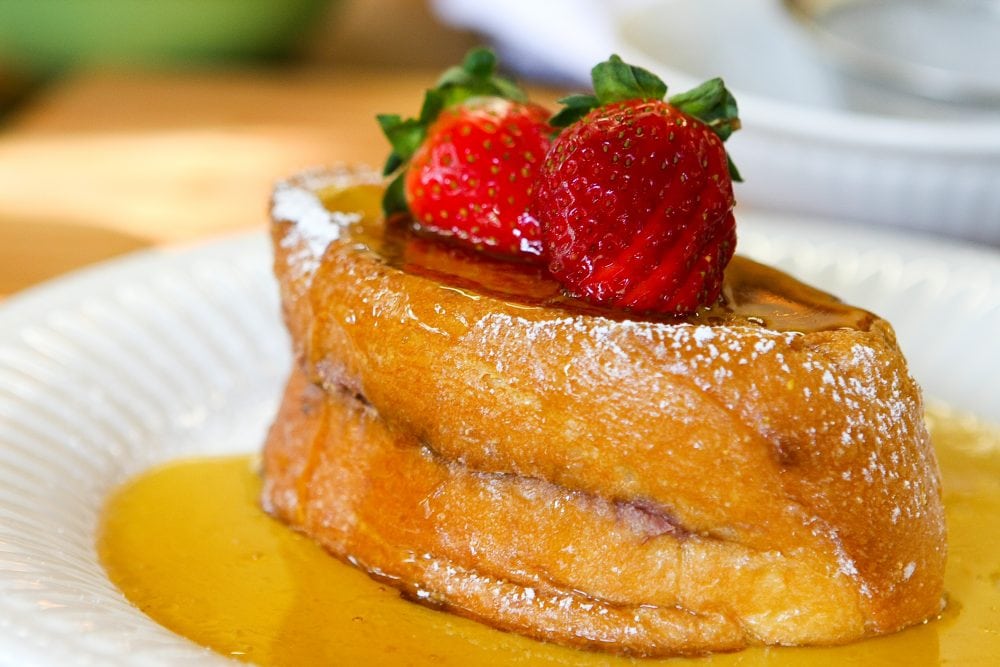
<point x="47" y="35"/>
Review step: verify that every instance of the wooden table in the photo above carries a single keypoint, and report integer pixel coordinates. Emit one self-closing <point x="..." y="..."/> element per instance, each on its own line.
<point x="108" y="162"/>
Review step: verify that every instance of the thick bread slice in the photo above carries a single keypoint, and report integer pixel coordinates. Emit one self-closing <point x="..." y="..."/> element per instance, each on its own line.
<point x="806" y="444"/>
<point x="525" y="555"/>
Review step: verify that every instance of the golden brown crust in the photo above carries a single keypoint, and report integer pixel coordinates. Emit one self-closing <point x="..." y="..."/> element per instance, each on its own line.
<point x="511" y="551"/>
<point x="794" y="468"/>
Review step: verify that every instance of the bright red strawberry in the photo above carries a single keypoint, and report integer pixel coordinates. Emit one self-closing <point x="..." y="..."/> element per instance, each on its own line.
<point x="473" y="177"/>
<point x="635" y="197"/>
<point x="467" y="166"/>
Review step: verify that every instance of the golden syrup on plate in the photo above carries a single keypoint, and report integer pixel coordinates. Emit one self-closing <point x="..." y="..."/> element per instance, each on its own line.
<point x="189" y="545"/>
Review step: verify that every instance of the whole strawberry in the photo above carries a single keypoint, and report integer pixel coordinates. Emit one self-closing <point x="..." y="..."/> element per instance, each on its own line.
<point x="635" y="197"/>
<point x="467" y="165"/>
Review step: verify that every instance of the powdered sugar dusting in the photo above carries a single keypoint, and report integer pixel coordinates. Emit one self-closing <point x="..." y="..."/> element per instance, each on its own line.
<point x="707" y="355"/>
<point x="313" y="226"/>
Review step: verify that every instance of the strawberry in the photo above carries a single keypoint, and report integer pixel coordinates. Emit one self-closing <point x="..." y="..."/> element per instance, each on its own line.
<point x="635" y="196"/>
<point x="466" y="167"/>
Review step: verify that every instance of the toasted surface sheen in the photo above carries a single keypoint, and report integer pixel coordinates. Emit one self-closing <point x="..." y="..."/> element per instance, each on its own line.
<point x="759" y="473"/>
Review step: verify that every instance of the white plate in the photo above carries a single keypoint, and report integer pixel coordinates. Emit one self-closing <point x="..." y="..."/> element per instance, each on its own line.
<point x="172" y="353"/>
<point x="813" y="141"/>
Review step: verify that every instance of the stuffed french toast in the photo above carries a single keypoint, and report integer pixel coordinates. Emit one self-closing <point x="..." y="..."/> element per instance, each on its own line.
<point x="534" y="386"/>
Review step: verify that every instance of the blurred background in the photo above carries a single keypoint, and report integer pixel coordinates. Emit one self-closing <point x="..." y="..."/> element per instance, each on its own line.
<point x="131" y="123"/>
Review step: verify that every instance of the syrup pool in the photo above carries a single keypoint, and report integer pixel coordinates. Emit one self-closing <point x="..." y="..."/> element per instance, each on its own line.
<point x="188" y="544"/>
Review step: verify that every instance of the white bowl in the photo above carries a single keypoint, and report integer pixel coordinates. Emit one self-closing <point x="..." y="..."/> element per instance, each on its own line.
<point x="813" y="141"/>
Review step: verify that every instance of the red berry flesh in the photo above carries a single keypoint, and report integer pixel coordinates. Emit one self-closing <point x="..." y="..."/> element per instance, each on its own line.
<point x="635" y="203"/>
<point x="474" y="176"/>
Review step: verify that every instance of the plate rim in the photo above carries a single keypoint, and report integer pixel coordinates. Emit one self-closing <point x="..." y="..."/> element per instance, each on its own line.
<point x="961" y="256"/>
<point x="25" y="301"/>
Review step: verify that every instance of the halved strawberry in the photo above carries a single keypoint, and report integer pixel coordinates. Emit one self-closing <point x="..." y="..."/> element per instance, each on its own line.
<point x="467" y="165"/>
<point x="635" y="197"/>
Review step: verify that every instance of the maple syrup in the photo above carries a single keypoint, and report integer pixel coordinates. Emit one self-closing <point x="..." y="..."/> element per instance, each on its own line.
<point x="753" y="294"/>
<point x="189" y="545"/>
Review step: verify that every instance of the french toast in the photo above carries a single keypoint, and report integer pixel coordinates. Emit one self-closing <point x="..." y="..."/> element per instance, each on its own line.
<point x="756" y="473"/>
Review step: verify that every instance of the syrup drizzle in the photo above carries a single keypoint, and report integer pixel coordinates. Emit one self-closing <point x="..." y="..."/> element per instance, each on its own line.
<point x="753" y="294"/>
